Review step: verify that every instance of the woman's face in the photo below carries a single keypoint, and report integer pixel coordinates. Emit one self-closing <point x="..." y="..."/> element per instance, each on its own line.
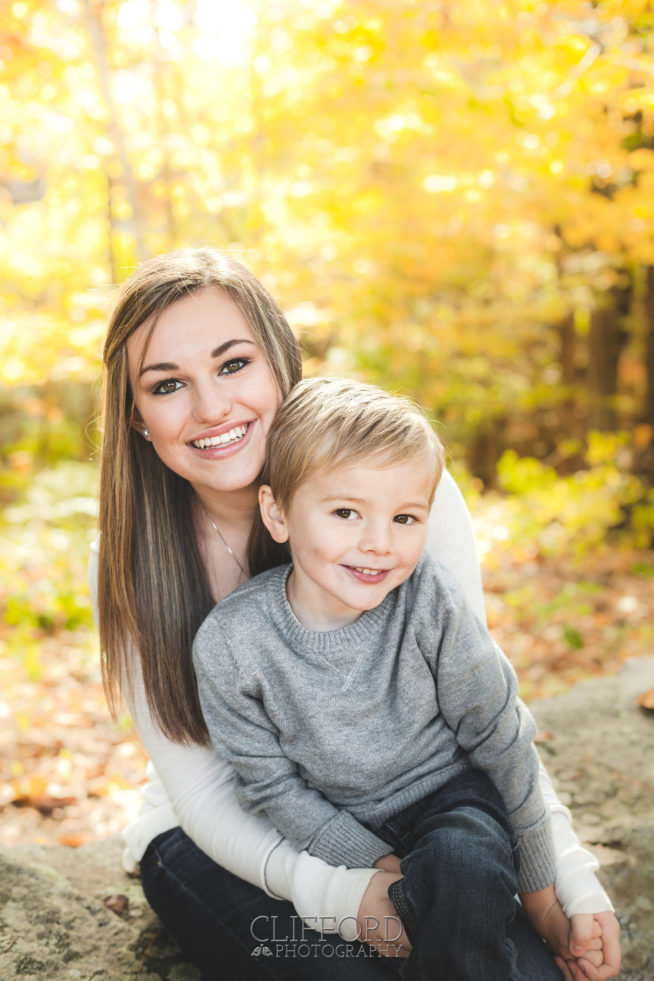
<point x="204" y="392"/>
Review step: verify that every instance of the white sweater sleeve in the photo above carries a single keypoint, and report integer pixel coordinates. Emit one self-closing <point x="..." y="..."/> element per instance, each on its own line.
<point x="450" y="539"/>
<point x="200" y="788"/>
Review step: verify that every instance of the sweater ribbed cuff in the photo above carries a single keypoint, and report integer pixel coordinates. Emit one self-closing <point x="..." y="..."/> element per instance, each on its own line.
<point x="343" y="841"/>
<point x="537" y="864"/>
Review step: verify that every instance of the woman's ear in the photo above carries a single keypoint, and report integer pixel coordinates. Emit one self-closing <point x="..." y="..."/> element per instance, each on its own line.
<point x="140" y="427"/>
<point x="272" y="515"/>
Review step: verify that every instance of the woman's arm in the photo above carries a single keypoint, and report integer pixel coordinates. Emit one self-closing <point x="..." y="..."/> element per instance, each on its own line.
<point x="450" y="539"/>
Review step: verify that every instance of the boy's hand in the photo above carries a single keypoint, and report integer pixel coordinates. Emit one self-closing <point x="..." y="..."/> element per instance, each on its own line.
<point x="388" y="863"/>
<point x="549" y="920"/>
<point x="587" y="966"/>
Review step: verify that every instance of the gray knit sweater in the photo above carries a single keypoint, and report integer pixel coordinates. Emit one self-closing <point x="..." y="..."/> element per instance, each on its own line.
<point x="333" y="732"/>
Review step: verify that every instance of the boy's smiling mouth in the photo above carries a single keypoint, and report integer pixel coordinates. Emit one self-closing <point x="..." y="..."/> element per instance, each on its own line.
<point x="364" y="574"/>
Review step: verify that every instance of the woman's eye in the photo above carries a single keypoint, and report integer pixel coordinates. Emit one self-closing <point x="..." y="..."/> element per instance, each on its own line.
<point x="231" y="367"/>
<point x="166" y="386"/>
<point x="404" y="519"/>
<point x="347" y="513"/>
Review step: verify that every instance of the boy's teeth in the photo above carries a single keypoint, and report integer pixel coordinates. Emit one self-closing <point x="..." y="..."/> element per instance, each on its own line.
<point x="368" y="572"/>
<point x="222" y="440"/>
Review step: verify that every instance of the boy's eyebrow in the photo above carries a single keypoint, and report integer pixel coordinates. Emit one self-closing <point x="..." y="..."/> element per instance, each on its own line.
<point x="351" y="499"/>
<point x="217" y="351"/>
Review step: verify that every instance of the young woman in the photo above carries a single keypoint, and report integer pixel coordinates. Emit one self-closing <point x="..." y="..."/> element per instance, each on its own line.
<point x="197" y="359"/>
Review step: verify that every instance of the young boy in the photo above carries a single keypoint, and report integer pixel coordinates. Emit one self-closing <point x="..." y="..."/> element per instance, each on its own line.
<point x="364" y="708"/>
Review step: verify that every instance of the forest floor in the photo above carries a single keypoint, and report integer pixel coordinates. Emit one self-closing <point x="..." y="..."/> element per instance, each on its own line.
<point x="70" y="775"/>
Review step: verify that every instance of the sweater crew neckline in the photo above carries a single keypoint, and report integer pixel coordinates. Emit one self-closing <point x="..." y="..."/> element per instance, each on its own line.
<point x="338" y="639"/>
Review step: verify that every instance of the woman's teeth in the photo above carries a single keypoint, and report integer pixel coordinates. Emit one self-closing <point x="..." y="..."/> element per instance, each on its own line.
<point x="231" y="437"/>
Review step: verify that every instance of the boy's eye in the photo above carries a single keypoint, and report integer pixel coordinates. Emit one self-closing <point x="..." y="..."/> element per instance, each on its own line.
<point x="234" y="365"/>
<point x="347" y="513"/>
<point x="404" y="519"/>
<point x="166" y="386"/>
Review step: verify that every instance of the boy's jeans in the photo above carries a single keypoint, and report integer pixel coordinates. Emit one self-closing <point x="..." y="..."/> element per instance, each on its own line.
<point x="457" y="898"/>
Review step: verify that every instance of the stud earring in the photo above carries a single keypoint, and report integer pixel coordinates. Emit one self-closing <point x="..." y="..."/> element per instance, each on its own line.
<point x="146" y="433"/>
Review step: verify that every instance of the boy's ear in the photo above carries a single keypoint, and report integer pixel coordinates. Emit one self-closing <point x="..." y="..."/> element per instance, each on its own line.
<point x="272" y="515"/>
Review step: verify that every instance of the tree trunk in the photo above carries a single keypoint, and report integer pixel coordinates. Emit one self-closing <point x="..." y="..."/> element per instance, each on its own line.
<point x="644" y="463"/>
<point x="486" y="449"/>
<point x="567" y="360"/>
<point x="606" y="340"/>
<point x="649" y="348"/>
<point x="93" y="13"/>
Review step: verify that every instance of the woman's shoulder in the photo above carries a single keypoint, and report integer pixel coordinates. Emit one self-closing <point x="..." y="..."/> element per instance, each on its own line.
<point x="432" y="578"/>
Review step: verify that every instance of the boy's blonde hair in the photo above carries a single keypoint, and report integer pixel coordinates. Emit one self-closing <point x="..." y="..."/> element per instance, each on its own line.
<point x="337" y="423"/>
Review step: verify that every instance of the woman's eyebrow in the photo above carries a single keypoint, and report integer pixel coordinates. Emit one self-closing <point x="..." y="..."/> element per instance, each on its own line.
<point x="170" y="366"/>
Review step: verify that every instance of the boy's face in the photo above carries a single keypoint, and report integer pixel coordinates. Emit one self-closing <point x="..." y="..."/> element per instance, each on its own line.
<point x="354" y="535"/>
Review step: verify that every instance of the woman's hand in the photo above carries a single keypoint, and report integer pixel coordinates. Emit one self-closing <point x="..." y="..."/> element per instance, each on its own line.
<point x="380" y="925"/>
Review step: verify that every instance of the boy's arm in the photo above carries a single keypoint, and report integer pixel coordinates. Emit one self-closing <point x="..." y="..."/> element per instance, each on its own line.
<point x="243" y="734"/>
<point x="477" y="696"/>
<point x="451" y="540"/>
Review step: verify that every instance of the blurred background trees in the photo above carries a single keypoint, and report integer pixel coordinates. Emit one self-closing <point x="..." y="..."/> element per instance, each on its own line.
<point x="451" y="198"/>
<point x="455" y="200"/>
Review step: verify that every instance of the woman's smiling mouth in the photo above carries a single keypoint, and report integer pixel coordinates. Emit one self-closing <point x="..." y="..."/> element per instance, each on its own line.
<point x="224" y="439"/>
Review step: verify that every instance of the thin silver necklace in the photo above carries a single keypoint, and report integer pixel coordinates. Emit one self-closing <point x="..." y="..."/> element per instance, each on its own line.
<point x="222" y="538"/>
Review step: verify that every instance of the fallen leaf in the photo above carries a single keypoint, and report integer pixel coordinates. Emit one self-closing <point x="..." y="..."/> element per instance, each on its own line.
<point x="72" y="840"/>
<point x="118" y="904"/>
<point x="38" y="792"/>
<point x="646" y="700"/>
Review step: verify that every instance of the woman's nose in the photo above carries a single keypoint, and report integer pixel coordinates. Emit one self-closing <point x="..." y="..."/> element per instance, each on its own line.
<point x="210" y="403"/>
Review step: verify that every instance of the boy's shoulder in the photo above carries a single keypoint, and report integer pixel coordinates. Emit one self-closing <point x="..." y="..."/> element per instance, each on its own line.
<point x="433" y="596"/>
<point x="248" y="605"/>
<point x="431" y="574"/>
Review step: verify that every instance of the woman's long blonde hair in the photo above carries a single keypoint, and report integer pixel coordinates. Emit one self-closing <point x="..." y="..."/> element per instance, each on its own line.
<point x="153" y="591"/>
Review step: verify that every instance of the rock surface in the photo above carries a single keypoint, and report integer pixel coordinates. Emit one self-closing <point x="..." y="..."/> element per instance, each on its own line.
<point x="55" y="926"/>
<point x="597" y="744"/>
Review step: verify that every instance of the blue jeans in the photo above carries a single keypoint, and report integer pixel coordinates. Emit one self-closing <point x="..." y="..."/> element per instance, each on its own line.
<point x="233" y="932"/>
<point x="224" y="925"/>
<point x="457" y="898"/>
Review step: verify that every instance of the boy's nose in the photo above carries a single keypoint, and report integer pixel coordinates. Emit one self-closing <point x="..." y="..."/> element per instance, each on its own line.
<point x="376" y="539"/>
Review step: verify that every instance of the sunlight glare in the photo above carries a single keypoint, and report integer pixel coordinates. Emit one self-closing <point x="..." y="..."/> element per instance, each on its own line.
<point x="225" y="29"/>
